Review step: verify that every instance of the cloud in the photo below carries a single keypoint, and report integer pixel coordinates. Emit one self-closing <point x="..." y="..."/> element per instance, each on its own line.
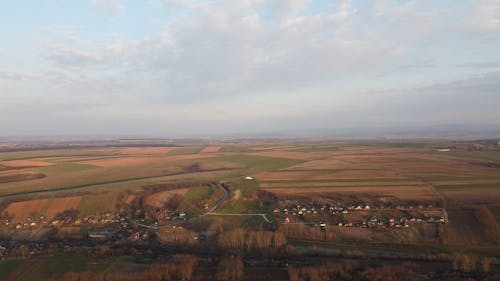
<point x="466" y="101"/>
<point x="484" y="16"/>
<point x="112" y="7"/>
<point x="15" y="75"/>
<point x="266" y="63"/>
<point x="486" y="64"/>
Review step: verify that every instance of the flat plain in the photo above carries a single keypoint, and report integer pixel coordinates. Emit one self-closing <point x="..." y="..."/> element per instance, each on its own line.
<point x="52" y="181"/>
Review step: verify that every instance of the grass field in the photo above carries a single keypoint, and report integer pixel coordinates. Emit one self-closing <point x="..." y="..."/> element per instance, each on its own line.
<point x="255" y="163"/>
<point x="52" y="268"/>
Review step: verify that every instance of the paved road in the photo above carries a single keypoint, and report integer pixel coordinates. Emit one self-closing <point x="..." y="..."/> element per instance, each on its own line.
<point x="221" y="201"/>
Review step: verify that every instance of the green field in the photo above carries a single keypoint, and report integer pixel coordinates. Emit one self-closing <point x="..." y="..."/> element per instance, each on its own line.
<point x="255" y="163"/>
<point x="493" y="156"/>
<point x="315" y="148"/>
<point x="185" y="150"/>
<point x="63" y="168"/>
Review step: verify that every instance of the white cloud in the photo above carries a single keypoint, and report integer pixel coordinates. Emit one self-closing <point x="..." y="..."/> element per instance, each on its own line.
<point x="268" y="63"/>
<point x="113" y="7"/>
<point x="484" y="16"/>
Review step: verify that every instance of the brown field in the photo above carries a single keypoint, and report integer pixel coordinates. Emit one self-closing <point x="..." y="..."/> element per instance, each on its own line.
<point x="417" y="193"/>
<point x="464" y="228"/>
<point x="58" y="205"/>
<point x="130" y="198"/>
<point x="289" y="154"/>
<point x="160" y="198"/>
<point x="210" y="149"/>
<point x="24" y="209"/>
<point x="351" y="233"/>
<point x="271" y="185"/>
<point x="280" y="147"/>
<point x="328" y="164"/>
<point x="121" y="162"/>
<point x="24" y="163"/>
<point x="397" y="161"/>
<point x="476" y="196"/>
<point x="138" y="161"/>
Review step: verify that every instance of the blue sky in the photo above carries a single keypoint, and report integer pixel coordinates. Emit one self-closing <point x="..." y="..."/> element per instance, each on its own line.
<point x="187" y="67"/>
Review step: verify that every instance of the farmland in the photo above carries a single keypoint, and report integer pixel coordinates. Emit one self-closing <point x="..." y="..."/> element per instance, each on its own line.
<point x="362" y="194"/>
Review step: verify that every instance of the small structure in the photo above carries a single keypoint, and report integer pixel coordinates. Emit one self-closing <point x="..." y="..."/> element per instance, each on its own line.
<point x="248" y="178"/>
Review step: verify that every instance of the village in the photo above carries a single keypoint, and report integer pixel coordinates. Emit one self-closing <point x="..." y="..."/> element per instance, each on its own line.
<point x="359" y="214"/>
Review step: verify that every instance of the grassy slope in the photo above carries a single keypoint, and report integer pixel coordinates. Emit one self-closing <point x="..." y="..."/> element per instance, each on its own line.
<point x="101" y="203"/>
<point x="195" y="194"/>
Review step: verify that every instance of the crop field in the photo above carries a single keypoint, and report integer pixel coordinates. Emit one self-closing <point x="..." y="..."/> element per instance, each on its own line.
<point x="58" y="205"/>
<point x="98" y="180"/>
<point x="402" y="171"/>
<point x="20" y="211"/>
<point x="97" y="203"/>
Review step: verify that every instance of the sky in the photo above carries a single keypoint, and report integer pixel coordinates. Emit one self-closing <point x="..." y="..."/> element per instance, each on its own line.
<point x="206" y="68"/>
